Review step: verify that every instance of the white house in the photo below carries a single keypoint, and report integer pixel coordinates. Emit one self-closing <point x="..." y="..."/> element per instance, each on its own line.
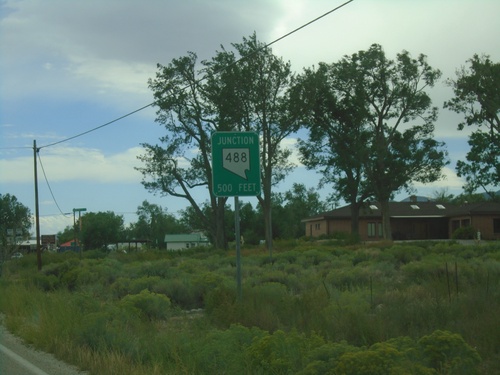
<point x="185" y="241"/>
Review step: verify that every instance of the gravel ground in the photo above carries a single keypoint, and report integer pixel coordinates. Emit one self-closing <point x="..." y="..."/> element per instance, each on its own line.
<point x="33" y="361"/>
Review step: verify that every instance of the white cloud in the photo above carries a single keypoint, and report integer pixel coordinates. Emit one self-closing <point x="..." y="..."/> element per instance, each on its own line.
<point x="450" y="180"/>
<point x="291" y="144"/>
<point x="54" y="223"/>
<point x="74" y="164"/>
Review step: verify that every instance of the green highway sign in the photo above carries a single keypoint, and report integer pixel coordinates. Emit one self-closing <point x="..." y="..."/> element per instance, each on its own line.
<point x="235" y="164"/>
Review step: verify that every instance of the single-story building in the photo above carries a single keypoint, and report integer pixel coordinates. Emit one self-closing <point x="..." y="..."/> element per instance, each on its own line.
<point x="411" y="220"/>
<point x="27" y="246"/>
<point x="185" y="241"/>
<point x="73" y="245"/>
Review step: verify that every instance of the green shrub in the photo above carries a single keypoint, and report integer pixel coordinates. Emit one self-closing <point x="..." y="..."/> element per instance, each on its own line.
<point x="60" y="268"/>
<point x="225" y="351"/>
<point x="282" y="353"/>
<point x="221" y="306"/>
<point x="448" y="353"/>
<point x="181" y="291"/>
<point x="147" y="305"/>
<point x="45" y="282"/>
<point x="464" y="233"/>
<point x="404" y="254"/>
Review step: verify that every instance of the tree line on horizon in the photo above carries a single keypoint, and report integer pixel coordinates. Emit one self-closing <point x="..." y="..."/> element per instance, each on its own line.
<point x="100" y="229"/>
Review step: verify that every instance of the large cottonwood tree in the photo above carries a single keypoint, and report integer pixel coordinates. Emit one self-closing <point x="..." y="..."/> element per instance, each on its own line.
<point x="240" y="90"/>
<point x="334" y="114"/>
<point x="477" y="97"/>
<point x="99" y="229"/>
<point x="381" y="112"/>
<point x="180" y="165"/>
<point x="252" y="91"/>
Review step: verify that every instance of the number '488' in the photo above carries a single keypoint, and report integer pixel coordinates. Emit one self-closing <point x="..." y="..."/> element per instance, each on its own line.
<point x="236" y="157"/>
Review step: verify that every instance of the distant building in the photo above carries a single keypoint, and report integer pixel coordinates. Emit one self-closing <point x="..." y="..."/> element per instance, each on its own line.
<point x="411" y="220"/>
<point x="72" y="245"/>
<point x="185" y="241"/>
<point x="27" y="246"/>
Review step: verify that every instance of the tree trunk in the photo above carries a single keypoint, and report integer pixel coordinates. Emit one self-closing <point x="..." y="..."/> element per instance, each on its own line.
<point x="220" y="231"/>
<point x="355" y="219"/>
<point x="268" y="224"/>
<point x="386" y="220"/>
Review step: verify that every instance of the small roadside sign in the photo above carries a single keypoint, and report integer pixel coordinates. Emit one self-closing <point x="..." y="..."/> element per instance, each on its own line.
<point x="235" y="164"/>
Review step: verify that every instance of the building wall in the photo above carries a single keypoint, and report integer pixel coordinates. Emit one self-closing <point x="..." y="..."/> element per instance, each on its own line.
<point x="481" y="223"/>
<point x="316" y="228"/>
<point x="407" y="229"/>
<point x="339" y="226"/>
<point x="484" y="224"/>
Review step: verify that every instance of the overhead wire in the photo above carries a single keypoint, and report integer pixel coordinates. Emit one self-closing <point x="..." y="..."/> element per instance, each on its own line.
<point x="183" y="88"/>
<point x="98" y="127"/>
<point x="203" y="78"/>
<point x="48" y="185"/>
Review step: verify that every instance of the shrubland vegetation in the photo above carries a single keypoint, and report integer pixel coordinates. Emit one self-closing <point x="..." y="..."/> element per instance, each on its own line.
<point x="315" y="308"/>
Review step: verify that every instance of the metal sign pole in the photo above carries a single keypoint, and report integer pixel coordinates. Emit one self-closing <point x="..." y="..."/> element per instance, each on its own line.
<point x="236" y="173"/>
<point x="238" y="245"/>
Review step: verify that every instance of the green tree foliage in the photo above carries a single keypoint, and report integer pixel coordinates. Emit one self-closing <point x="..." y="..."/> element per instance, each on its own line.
<point x="291" y="207"/>
<point x="191" y="220"/>
<point x="477" y="97"/>
<point x="221" y="96"/>
<point x="68" y="234"/>
<point x="334" y="113"/>
<point x="153" y="223"/>
<point x="172" y="168"/>
<point x="252" y="91"/>
<point x="99" y="229"/>
<point x="251" y="224"/>
<point x="379" y="109"/>
<point x="15" y="221"/>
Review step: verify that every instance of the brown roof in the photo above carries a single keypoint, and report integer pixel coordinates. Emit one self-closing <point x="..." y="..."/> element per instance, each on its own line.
<point x="413" y="209"/>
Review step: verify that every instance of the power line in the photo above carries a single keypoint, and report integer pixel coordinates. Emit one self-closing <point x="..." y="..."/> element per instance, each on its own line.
<point x="309" y="23"/>
<point x="98" y="127"/>
<point x="37" y="149"/>
<point x="47" y="181"/>
<point x="203" y="78"/>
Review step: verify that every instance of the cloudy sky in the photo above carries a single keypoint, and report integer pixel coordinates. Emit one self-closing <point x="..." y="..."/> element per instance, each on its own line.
<point x="70" y="66"/>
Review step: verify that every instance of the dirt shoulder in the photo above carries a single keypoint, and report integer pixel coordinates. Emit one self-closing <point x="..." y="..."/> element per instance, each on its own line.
<point x="15" y="348"/>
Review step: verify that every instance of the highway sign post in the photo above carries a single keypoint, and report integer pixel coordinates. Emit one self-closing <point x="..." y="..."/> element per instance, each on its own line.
<point x="236" y="172"/>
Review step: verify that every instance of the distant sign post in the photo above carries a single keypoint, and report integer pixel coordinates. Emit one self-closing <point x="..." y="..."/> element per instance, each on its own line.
<point x="235" y="173"/>
<point x="79" y="210"/>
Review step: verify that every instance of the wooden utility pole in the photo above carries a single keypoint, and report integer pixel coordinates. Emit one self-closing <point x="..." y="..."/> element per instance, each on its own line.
<point x="37" y="212"/>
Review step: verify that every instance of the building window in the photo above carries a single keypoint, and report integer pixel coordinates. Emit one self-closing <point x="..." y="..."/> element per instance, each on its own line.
<point x="371" y="230"/>
<point x="465" y="223"/>
<point x="496" y="226"/>
<point x="317" y="226"/>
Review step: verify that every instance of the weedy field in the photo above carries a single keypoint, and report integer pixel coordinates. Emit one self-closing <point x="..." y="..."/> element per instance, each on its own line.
<point x="314" y="308"/>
